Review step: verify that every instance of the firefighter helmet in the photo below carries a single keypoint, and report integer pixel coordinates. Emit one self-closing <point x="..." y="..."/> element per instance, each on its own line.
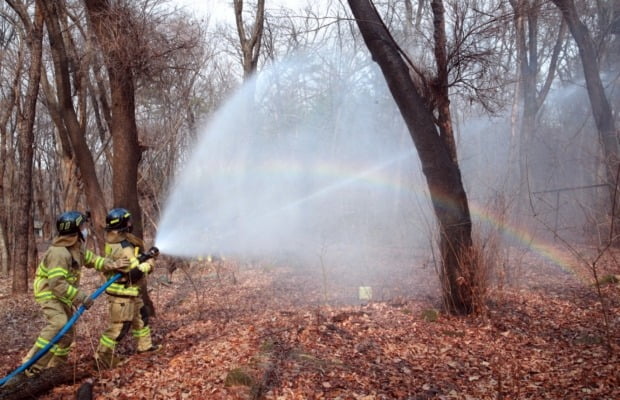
<point x="68" y="223"/>
<point x="118" y="219"/>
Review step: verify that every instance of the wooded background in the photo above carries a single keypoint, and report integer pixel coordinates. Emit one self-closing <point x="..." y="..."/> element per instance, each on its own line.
<point x="102" y="100"/>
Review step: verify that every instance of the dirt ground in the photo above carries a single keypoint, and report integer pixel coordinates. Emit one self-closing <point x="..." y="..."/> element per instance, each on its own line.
<point x="250" y="331"/>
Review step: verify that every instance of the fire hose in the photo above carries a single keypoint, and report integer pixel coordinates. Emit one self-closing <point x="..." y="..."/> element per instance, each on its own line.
<point x="153" y="252"/>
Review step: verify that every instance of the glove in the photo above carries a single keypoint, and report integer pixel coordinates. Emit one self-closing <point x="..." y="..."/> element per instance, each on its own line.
<point x="121" y="263"/>
<point x="88" y="302"/>
<point x="145" y="267"/>
<point x="84" y="300"/>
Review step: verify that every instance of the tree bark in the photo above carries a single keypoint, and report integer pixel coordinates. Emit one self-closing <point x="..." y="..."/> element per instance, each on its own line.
<point x="601" y="110"/>
<point x="22" y="387"/>
<point x="444" y="120"/>
<point x="106" y="24"/>
<point x="250" y="45"/>
<point x="6" y="135"/>
<point x="70" y="123"/>
<point x="526" y="27"/>
<point x="25" y="122"/>
<point x="440" y="168"/>
<point x="69" y="170"/>
<point x="127" y="151"/>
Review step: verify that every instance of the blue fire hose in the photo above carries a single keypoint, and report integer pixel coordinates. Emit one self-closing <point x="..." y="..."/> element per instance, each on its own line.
<point x="60" y="334"/>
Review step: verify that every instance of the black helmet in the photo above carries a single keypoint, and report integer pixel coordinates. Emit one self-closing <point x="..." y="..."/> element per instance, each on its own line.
<point x="69" y="222"/>
<point x="118" y="219"/>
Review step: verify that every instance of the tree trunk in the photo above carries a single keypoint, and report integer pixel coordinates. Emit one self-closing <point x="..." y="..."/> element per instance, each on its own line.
<point x="444" y="119"/>
<point x="6" y="108"/>
<point x="69" y="174"/>
<point x="440" y="169"/>
<point x="601" y="110"/>
<point x="25" y="122"/>
<point x="250" y="45"/>
<point x="68" y="121"/>
<point x="127" y="151"/>
<point x="526" y="27"/>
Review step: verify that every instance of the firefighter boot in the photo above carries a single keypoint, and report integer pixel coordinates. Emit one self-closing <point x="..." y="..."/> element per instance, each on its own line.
<point x="108" y="360"/>
<point x="41" y="363"/>
<point x="56" y="360"/>
<point x="60" y="355"/>
<point x="154" y="348"/>
<point x="144" y="342"/>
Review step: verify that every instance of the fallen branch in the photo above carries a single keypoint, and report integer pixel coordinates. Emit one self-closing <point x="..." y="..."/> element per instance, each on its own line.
<point x="22" y="387"/>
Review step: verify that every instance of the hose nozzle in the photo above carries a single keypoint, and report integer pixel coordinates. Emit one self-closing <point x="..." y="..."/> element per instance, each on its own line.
<point x="153" y="252"/>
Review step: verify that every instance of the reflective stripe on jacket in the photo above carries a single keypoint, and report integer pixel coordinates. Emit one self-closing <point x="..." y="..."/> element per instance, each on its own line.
<point x="58" y="274"/>
<point x="119" y="245"/>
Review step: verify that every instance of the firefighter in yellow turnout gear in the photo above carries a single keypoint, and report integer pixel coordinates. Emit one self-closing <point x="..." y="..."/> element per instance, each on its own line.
<point x="127" y="310"/>
<point x="56" y="286"/>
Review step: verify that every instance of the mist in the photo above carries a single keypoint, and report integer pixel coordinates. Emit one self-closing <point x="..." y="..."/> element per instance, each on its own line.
<point x="309" y="164"/>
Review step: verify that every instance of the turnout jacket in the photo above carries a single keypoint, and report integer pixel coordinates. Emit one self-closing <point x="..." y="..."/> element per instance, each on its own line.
<point x="123" y="244"/>
<point x="58" y="274"/>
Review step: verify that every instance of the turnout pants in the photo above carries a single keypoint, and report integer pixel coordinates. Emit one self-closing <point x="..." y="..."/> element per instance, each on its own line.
<point x="126" y="313"/>
<point x="57" y="314"/>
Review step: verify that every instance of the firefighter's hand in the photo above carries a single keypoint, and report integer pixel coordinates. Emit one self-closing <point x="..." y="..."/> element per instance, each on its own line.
<point x="88" y="302"/>
<point x="82" y="299"/>
<point x="145" y="267"/>
<point x="121" y="263"/>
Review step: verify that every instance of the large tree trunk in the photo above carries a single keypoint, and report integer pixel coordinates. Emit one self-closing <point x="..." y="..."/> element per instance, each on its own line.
<point x="444" y="118"/>
<point x="107" y="22"/>
<point x="69" y="175"/>
<point x="127" y="151"/>
<point x="450" y="276"/>
<point x="68" y="121"/>
<point x="25" y="122"/>
<point x="440" y="168"/>
<point x="6" y="135"/>
<point x="601" y="110"/>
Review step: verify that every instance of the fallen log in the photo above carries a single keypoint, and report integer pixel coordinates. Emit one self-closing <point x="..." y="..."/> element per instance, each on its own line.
<point x="23" y="387"/>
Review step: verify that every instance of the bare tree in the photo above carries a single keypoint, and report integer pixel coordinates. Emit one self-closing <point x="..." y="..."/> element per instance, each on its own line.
<point x="444" y="120"/>
<point x="250" y="44"/>
<point x="601" y="109"/>
<point x="527" y="16"/>
<point x="11" y="61"/>
<point x="140" y="49"/>
<point x="79" y="107"/>
<point x="62" y="110"/>
<point x="113" y="23"/>
<point x="25" y="123"/>
<point x="173" y="103"/>
<point x="440" y="168"/>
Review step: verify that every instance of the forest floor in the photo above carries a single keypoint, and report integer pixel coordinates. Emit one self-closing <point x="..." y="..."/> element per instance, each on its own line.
<point x="276" y="332"/>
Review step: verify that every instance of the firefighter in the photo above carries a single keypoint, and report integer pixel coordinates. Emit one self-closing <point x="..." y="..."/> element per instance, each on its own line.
<point x="127" y="311"/>
<point x="56" y="286"/>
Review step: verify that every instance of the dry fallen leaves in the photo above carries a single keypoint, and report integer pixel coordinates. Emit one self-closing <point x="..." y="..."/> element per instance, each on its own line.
<point x="532" y="344"/>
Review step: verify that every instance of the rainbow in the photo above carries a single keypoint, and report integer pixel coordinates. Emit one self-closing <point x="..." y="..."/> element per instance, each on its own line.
<point x="546" y="250"/>
<point x="381" y="178"/>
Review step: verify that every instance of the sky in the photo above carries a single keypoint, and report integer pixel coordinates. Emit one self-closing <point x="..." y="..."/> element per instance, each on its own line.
<point x="222" y="10"/>
<point x="216" y="8"/>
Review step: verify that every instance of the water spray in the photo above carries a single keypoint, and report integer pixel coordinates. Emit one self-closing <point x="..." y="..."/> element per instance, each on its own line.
<point x="303" y="164"/>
